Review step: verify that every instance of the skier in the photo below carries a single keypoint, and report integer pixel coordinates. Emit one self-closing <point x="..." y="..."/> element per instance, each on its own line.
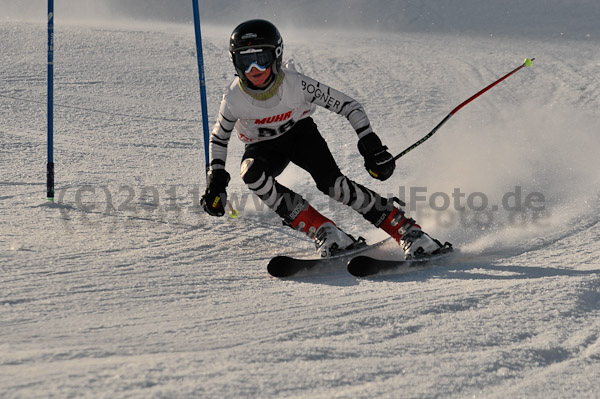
<point x="269" y="105"/>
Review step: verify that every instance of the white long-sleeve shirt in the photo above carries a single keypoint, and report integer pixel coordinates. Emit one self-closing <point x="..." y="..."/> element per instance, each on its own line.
<point x="257" y="119"/>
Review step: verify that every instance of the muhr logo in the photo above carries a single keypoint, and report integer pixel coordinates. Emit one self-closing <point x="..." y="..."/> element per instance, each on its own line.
<point x="274" y="118"/>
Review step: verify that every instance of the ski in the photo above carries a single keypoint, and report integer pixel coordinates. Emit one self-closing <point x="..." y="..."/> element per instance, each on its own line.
<point x="287" y="266"/>
<point x="364" y="266"/>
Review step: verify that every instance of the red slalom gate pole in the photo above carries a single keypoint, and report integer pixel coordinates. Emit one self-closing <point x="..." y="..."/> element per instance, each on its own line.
<point x="526" y="63"/>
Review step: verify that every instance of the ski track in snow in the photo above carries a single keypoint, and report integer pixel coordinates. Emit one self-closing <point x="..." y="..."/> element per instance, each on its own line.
<point x="124" y="288"/>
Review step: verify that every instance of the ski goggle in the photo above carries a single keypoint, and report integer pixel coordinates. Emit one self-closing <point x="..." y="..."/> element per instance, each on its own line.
<point x="257" y="58"/>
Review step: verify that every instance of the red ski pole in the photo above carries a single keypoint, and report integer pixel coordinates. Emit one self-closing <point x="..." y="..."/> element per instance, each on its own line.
<point x="526" y="63"/>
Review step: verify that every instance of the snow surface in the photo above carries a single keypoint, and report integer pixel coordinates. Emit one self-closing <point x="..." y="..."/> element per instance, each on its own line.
<point x="123" y="288"/>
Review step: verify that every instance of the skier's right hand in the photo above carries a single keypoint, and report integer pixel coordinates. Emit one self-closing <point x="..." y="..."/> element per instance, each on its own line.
<point x="215" y="197"/>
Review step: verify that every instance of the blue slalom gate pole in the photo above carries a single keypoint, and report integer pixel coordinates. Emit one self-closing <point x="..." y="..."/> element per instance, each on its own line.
<point x="50" y="164"/>
<point x="233" y="213"/>
<point x="202" y="81"/>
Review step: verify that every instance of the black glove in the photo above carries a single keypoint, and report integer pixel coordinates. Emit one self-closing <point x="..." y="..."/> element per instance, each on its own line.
<point x="215" y="197"/>
<point x="378" y="161"/>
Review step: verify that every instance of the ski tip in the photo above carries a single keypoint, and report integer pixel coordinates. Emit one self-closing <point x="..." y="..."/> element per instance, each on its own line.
<point x="361" y="266"/>
<point x="277" y="266"/>
<point x="366" y="266"/>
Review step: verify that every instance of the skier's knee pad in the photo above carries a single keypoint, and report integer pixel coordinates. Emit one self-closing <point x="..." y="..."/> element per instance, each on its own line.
<point x="251" y="170"/>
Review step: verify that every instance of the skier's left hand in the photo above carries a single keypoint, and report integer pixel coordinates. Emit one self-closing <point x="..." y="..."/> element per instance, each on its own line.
<point x="378" y="161"/>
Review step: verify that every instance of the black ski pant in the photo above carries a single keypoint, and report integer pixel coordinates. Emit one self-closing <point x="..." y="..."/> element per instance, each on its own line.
<point x="304" y="146"/>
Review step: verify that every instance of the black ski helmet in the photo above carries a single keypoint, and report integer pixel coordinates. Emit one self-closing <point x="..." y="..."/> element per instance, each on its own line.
<point x="252" y="39"/>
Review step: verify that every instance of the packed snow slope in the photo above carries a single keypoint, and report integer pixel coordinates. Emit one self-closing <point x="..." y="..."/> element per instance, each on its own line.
<point x="124" y="288"/>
